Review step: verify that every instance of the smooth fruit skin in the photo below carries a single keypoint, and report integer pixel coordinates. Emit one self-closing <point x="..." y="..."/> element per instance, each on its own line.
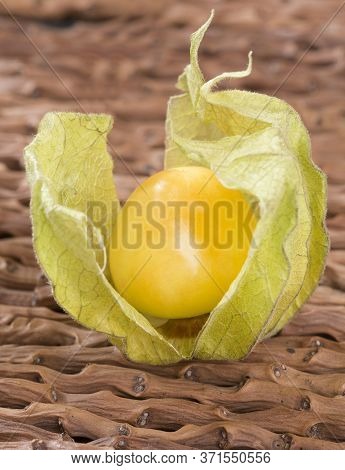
<point x="153" y="261"/>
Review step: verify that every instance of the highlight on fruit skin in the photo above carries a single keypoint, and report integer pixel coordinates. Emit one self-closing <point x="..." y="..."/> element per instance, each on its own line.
<point x="179" y="242"/>
<point x="258" y="151"/>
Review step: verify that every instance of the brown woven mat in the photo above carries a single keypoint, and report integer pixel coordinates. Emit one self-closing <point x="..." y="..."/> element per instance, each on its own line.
<point x="123" y="58"/>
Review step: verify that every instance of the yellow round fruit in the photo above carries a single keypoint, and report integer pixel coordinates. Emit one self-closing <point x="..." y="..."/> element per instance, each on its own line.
<point x="179" y="242"/>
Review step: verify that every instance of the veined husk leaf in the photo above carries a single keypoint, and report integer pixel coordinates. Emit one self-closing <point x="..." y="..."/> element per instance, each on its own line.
<point x="252" y="142"/>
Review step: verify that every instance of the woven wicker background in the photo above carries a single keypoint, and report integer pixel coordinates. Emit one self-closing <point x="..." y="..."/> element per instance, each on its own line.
<point x="123" y="57"/>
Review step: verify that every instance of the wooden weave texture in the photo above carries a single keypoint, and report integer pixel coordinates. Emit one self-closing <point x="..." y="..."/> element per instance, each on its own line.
<point x="61" y="387"/>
